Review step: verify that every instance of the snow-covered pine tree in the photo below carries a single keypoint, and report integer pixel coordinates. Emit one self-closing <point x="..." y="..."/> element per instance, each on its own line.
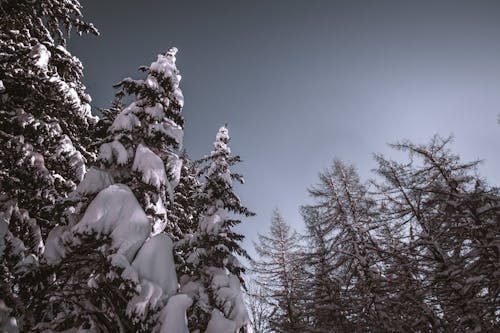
<point x="124" y="199"/>
<point x="449" y="218"/>
<point x="44" y="111"/>
<point x="145" y="137"/>
<point x="185" y="213"/>
<point x="280" y="274"/>
<point x="216" y="274"/>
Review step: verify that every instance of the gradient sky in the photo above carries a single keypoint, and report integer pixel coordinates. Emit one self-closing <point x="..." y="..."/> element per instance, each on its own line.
<point x="303" y="82"/>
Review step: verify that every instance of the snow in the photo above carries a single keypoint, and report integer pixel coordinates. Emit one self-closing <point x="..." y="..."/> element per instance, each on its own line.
<point x="219" y="324"/>
<point x="175" y="164"/>
<point x="113" y="149"/>
<point x="173" y="316"/>
<point x="150" y="166"/>
<point x="165" y="64"/>
<point x="211" y="224"/>
<point x="149" y="297"/>
<point x="170" y="129"/>
<point x="54" y="245"/>
<point x="4" y="226"/>
<point x="7" y="324"/>
<point x="116" y="211"/>
<point x="156" y="112"/>
<point x="160" y="223"/>
<point x="41" y="56"/>
<point x="155" y="262"/>
<point x="126" y="119"/>
<point x="94" y="181"/>
<point x="227" y="290"/>
<point x="76" y="160"/>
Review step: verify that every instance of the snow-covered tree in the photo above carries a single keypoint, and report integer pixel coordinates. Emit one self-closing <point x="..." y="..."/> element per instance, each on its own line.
<point x="144" y="138"/>
<point x="322" y="285"/>
<point x="350" y="216"/>
<point x="449" y="218"/>
<point x="215" y="279"/>
<point x="44" y="111"/>
<point x="280" y="275"/>
<point x="128" y="283"/>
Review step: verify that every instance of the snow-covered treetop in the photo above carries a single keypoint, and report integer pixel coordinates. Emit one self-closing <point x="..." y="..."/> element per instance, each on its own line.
<point x="145" y="136"/>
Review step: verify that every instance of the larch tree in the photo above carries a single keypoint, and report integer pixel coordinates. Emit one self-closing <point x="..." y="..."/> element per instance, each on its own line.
<point x="323" y="287"/>
<point x="350" y="217"/>
<point x="279" y="273"/>
<point x="448" y="216"/>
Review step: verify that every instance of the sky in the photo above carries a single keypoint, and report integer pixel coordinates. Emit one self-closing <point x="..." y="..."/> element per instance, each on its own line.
<point x="300" y="83"/>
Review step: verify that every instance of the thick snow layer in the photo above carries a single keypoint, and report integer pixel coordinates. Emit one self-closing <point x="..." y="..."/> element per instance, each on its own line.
<point x="175" y="167"/>
<point x="76" y="160"/>
<point x="211" y="224"/>
<point x="156" y="112"/>
<point x="155" y="262"/>
<point x="41" y="56"/>
<point x="54" y="245"/>
<point x="165" y="65"/>
<point x="149" y="297"/>
<point x="94" y="181"/>
<point x="229" y="296"/>
<point x="173" y="316"/>
<point x="113" y="149"/>
<point x="126" y="120"/>
<point x="169" y="128"/>
<point x="219" y="324"/>
<point x="115" y="211"/>
<point x="159" y="224"/>
<point x="150" y="166"/>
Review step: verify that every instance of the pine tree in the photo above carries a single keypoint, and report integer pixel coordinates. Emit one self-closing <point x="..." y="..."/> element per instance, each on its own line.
<point x="280" y="275"/>
<point x="43" y="112"/>
<point x="216" y="277"/>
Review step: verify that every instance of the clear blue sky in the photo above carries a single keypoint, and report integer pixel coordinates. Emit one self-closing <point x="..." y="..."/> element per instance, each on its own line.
<point x="303" y="82"/>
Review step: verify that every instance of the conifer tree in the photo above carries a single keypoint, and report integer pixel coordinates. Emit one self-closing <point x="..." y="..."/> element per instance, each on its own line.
<point x="280" y="274"/>
<point x="123" y="283"/>
<point x="216" y="277"/>
<point x="350" y="216"/>
<point x="44" y="111"/>
<point x="144" y="138"/>
<point x="448" y="216"/>
<point x="322" y="284"/>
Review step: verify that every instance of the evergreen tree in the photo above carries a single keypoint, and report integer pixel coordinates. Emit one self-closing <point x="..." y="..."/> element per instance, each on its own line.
<point x="44" y="111"/>
<point x="280" y="274"/>
<point x="145" y="136"/>
<point x="216" y="277"/>
<point x="121" y="285"/>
